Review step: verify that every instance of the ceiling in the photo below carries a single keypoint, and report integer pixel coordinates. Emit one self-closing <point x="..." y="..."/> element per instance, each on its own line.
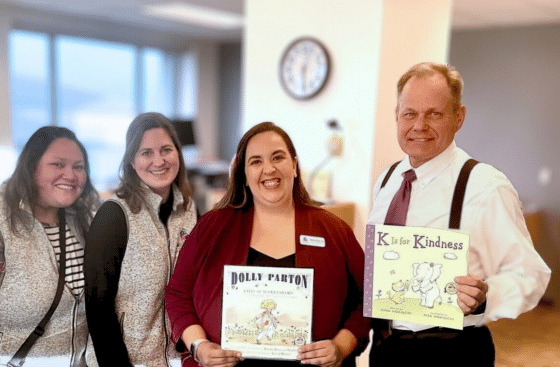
<point x="467" y="14"/>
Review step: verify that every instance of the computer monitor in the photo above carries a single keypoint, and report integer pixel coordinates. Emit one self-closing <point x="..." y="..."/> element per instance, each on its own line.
<point x="185" y="131"/>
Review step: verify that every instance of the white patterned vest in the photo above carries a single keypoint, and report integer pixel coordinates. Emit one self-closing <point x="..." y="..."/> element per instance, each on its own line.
<point x="27" y="292"/>
<point x="147" y="266"/>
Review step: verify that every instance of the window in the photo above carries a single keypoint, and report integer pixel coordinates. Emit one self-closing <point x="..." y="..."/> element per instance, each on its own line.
<point x="93" y="87"/>
<point x="95" y="99"/>
<point x="29" y="84"/>
<point x="159" y="69"/>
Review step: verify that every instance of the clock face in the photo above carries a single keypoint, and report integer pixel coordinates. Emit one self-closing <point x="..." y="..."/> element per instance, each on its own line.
<point x="304" y="68"/>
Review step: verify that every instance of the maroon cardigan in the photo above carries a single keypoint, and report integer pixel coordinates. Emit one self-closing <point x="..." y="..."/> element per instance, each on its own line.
<point x="222" y="237"/>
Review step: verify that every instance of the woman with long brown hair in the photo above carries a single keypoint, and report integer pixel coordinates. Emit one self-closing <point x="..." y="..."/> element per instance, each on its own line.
<point x="261" y="222"/>
<point x="45" y="210"/>
<point x="133" y="242"/>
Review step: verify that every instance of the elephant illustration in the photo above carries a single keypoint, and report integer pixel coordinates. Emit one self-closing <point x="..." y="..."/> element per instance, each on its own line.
<point x="425" y="282"/>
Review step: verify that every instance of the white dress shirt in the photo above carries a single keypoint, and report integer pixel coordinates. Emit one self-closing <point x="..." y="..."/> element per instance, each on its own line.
<point x="501" y="250"/>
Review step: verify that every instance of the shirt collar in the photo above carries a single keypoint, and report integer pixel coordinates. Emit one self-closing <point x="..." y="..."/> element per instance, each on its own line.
<point x="432" y="168"/>
<point x="154" y="200"/>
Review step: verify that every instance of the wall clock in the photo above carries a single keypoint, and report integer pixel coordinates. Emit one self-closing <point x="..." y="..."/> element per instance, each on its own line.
<point x="304" y="68"/>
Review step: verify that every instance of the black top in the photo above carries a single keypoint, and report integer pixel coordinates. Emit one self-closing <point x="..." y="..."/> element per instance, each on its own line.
<point x="257" y="258"/>
<point x="105" y="248"/>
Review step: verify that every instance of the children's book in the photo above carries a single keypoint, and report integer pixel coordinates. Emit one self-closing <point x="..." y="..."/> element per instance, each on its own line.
<point x="410" y="272"/>
<point x="267" y="311"/>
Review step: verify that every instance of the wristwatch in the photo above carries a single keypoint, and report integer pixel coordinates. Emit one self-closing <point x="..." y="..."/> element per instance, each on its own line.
<point x="194" y="347"/>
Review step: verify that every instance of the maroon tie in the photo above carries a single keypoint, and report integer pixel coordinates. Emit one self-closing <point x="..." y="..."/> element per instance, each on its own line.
<point x="396" y="215"/>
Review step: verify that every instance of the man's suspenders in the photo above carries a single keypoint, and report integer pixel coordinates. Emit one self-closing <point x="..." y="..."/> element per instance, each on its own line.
<point x="389" y="173"/>
<point x="380" y="325"/>
<point x="458" y="194"/>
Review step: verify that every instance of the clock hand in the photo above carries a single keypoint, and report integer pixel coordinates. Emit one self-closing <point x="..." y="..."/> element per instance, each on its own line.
<point x="303" y="76"/>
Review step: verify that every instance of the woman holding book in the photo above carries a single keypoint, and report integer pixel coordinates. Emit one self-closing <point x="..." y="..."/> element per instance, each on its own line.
<point x="261" y="221"/>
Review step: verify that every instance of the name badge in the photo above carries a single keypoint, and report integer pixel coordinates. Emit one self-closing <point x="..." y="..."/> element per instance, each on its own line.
<point x="312" y="241"/>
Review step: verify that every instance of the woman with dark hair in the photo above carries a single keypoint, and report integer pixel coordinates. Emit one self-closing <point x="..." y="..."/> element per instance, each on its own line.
<point x="259" y="222"/>
<point x="134" y="241"/>
<point x="45" y="209"/>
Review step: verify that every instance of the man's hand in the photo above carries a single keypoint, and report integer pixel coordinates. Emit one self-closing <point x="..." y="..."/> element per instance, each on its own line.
<point x="471" y="293"/>
<point x="211" y="354"/>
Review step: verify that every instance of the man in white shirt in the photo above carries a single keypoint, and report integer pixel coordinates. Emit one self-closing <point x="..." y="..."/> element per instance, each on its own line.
<point x="506" y="275"/>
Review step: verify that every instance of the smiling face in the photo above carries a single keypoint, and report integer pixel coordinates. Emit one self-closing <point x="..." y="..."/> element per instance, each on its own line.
<point x="60" y="177"/>
<point x="426" y="120"/>
<point x="157" y="161"/>
<point x="270" y="170"/>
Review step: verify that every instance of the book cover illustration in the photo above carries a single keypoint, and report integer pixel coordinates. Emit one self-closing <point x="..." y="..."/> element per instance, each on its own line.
<point x="266" y="311"/>
<point x="410" y="272"/>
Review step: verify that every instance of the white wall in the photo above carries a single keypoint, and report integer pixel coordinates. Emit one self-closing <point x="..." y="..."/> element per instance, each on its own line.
<point x="351" y="32"/>
<point x="413" y="32"/>
<point x="371" y="43"/>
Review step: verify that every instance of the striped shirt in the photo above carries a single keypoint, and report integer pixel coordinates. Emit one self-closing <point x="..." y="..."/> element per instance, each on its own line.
<point x="74" y="257"/>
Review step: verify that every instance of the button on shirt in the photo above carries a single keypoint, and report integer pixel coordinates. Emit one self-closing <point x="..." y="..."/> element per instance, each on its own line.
<point x="501" y="250"/>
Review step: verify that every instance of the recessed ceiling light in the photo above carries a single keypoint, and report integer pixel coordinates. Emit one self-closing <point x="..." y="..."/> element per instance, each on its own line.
<point x="194" y="14"/>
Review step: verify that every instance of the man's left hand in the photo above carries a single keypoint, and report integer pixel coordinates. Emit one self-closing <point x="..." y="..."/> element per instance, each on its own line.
<point x="471" y="293"/>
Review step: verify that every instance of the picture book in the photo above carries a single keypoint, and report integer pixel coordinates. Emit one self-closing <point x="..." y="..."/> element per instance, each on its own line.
<point x="267" y="311"/>
<point x="410" y="272"/>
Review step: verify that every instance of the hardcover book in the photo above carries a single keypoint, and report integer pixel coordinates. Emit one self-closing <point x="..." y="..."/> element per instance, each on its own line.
<point x="267" y="311"/>
<point x="410" y="272"/>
